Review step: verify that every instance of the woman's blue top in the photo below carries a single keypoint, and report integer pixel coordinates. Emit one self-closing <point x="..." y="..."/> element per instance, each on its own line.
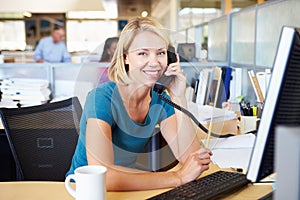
<point x="129" y="137"/>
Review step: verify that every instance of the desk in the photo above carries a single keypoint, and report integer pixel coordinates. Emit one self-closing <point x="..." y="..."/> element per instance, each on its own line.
<point x="57" y="191"/>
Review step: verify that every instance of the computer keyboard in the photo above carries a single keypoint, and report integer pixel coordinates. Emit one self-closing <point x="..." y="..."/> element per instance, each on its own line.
<point x="212" y="186"/>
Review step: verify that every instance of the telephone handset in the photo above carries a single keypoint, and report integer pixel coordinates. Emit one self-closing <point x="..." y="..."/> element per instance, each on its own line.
<point x="164" y="81"/>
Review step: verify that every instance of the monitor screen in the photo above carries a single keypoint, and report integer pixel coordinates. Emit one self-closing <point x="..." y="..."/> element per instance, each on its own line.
<point x="187" y="52"/>
<point x="282" y="104"/>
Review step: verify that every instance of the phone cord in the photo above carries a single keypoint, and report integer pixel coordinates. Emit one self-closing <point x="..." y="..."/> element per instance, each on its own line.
<point x="168" y="101"/>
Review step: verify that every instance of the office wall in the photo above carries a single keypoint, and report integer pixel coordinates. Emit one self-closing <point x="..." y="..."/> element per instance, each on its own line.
<point x="65" y="79"/>
<point x="270" y="19"/>
<point x="218" y="33"/>
<point x="251" y="39"/>
<point x="243" y="39"/>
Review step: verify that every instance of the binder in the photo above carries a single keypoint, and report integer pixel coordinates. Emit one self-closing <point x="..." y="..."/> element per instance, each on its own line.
<point x="203" y="83"/>
<point x="223" y="89"/>
<point x="236" y="83"/>
<point x="256" y="86"/>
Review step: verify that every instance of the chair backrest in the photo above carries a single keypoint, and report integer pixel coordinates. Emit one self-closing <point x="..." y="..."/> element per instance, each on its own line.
<point x="43" y="138"/>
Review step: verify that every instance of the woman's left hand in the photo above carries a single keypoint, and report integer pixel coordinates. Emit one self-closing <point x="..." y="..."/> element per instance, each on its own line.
<point x="177" y="86"/>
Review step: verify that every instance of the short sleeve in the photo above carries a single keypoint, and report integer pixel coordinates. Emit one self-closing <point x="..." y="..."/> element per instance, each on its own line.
<point x="98" y="104"/>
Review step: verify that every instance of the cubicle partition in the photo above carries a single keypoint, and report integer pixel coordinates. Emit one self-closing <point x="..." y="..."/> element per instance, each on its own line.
<point x="246" y="38"/>
<point x="26" y="70"/>
<point x="76" y="79"/>
<point x="253" y="35"/>
<point x="243" y="39"/>
<point x="218" y="37"/>
<point x="270" y="19"/>
<point x="65" y="79"/>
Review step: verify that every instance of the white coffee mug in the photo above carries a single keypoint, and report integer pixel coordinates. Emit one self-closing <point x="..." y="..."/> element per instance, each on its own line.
<point x="90" y="183"/>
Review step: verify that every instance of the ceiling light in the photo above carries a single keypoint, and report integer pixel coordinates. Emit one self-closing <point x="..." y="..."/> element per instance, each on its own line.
<point x="144" y="13"/>
<point x="27" y="14"/>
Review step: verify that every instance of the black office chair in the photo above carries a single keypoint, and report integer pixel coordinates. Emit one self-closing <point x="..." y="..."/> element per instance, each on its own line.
<point x="43" y="138"/>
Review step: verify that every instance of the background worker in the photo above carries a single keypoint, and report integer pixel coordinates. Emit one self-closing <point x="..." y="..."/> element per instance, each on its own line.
<point x="52" y="49"/>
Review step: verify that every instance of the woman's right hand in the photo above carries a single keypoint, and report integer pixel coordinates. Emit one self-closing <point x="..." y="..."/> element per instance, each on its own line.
<point x="195" y="165"/>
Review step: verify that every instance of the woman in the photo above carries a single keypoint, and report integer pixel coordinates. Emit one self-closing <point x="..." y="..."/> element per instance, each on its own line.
<point x="109" y="49"/>
<point x="120" y="116"/>
<point x="110" y="46"/>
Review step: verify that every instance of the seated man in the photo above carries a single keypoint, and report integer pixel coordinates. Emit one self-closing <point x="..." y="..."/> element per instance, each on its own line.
<point x="52" y="48"/>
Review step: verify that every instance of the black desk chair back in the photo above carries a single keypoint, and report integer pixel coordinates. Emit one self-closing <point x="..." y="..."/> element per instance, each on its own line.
<point x="43" y="138"/>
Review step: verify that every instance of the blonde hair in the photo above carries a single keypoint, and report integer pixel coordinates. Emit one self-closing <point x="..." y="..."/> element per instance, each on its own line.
<point x="117" y="70"/>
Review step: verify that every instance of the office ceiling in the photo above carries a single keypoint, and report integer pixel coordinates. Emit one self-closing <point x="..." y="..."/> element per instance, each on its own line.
<point x="50" y="6"/>
<point x="135" y="7"/>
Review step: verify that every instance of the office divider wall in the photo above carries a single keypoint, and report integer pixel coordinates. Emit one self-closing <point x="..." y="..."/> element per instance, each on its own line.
<point x="76" y="79"/>
<point x="270" y="19"/>
<point x="243" y="39"/>
<point x="36" y="71"/>
<point x="218" y="37"/>
<point x="65" y="80"/>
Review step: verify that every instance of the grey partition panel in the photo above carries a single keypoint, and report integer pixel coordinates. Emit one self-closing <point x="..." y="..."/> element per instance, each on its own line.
<point x="270" y="19"/>
<point x="201" y="41"/>
<point x="218" y="39"/>
<point x="32" y="70"/>
<point x="77" y="79"/>
<point x="243" y="37"/>
<point x="191" y="35"/>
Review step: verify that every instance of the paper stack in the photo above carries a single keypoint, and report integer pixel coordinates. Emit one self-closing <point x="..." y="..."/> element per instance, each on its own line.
<point x="204" y="113"/>
<point x="24" y="92"/>
<point x="232" y="152"/>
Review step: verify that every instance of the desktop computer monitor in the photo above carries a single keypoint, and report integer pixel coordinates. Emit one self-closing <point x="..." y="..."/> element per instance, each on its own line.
<point x="282" y="104"/>
<point x="187" y="52"/>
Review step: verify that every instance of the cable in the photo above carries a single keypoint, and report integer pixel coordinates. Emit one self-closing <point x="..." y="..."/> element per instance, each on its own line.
<point x="188" y="113"/>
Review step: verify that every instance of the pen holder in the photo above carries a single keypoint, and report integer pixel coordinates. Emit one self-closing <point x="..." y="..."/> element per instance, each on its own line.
<point x="248" y="123"/>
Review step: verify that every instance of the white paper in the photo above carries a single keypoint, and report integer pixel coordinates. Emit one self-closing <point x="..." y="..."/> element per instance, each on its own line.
<point x="234" y="142"/>
<point x="231" y="158"/>
<point x="232" y="152"/>
<point x="204" y="113"/>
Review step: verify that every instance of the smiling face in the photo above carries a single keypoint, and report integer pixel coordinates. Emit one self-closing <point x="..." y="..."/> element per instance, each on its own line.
<point x="147" y="58"/>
